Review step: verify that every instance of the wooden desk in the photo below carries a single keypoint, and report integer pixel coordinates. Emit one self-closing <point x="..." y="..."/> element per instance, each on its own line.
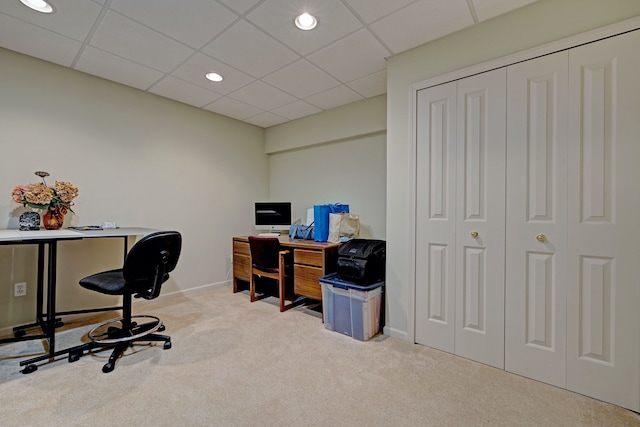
<point x="311" y="260"/>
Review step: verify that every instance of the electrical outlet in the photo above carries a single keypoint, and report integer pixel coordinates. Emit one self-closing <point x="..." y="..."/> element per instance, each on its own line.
<point x="20" y="289"/>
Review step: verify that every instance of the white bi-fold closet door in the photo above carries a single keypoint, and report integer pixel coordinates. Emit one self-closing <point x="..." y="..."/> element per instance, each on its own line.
<point x="603" y="279"/>
<point x="536" y="256"/>
<point x="572" y="283"/>
<point x="571" y="258"/>
<point x="460" y="227"/>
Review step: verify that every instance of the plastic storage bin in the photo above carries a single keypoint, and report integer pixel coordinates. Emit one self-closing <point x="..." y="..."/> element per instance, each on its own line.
<point x="351" y="309"/>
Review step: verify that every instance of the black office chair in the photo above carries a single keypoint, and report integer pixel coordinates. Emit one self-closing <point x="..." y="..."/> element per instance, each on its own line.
<point x="269" y="261"/>
<point x="146" y="268"/>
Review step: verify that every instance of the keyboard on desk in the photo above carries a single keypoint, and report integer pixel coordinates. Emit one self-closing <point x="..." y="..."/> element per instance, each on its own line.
<point x="269" y="235"/>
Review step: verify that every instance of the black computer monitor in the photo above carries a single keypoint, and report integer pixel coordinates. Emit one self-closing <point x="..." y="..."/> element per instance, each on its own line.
<point x="272" y="216"/>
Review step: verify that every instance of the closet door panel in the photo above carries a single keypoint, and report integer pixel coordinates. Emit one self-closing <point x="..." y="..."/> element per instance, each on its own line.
<point x="536" y="225"/>
<point x="435" y="219"/>
<point x="603" y="314"/>
<point x="480" y="228"/>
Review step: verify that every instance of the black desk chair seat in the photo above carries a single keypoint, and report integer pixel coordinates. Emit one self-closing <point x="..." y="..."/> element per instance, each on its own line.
<point x="146" y="268"/>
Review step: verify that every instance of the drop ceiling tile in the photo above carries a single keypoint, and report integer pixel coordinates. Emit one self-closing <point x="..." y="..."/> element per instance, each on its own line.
<point x="146" y="39"/>
<point x="111" y="67"/>
<point x="193" y="22"/>
<point x="194" y="69"/>
<point x="232" y="108"/>
<point x="240" y="6"/>
<point x="72" y="18"/>
<point x="245" y="47"/>
<point x="372" y="85"/>
<point x="262" y="96"/>
<point x="334" y="98"/>
<point x="185" y="92"/>
<point x="265" y="120"/>
<point x="422" y="22"/>
<point x="295" y="110"/>
<point x="128" y="39"/>
<point x="352" y="57"/>
<point x="487" y="9"/>
<point x="19" y="36"/>
<point x="371" y="10"/>
<point x="301" y="79"/>
<point x="276" y="18"/>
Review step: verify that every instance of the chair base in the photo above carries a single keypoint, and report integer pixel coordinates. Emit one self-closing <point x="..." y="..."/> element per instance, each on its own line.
<point x="77" y="352"/>
<point x="106" y="336"/>
<point x="110" y="333"/>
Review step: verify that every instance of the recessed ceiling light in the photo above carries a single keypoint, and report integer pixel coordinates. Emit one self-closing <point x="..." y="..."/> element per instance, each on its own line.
<point x="39" y="5"/>
<point x="214" y="77"/>
<point x="306" y="22"/>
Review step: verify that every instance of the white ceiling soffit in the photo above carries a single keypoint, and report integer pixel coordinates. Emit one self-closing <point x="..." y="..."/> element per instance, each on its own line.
<point x="273" y="72"/>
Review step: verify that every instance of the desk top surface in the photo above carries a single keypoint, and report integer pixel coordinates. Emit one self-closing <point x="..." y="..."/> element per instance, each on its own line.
<point x="117" y="232"/>
<point x="8" y="236"/>
<point x="297" y="243"/>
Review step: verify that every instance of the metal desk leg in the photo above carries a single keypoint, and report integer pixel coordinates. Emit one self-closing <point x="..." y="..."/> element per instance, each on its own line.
<point x="51" y="296"/>
<point x="19" y="332"/>
<point x="40" y="292"/>
<point x="50" y="324"/>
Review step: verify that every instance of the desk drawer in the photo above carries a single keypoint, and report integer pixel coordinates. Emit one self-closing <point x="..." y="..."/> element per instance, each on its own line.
<point x="306" y="281"/>
<point x="242" y="267"/>
<point x="307" y="257"/>
<point x="241" y="248"/>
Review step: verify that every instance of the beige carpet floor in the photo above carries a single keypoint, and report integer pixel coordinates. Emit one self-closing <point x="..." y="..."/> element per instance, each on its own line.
<point x="236" y="363"/>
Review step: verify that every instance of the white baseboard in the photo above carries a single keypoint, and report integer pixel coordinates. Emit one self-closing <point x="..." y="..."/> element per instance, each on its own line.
<point x="197" y="289"/>
<point x="395" y="333"/>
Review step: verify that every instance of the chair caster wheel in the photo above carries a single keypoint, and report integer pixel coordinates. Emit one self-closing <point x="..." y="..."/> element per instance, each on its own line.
<point x="73" y="357"/>
<point x="19" y="333"/>
<point x="167" y="345"/>
<point x="30" y="368"/>
<point x="108" y="367"/>
<point x="59" y="323"/>
<point x="161" y="328"/>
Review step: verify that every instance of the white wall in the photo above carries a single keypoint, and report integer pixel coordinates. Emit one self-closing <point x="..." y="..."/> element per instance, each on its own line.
<point x="138" y="159"/>
<point x="352" y="171"/>
<point x="334" y="156"/>
<point x="348" y="121"/>
<point x="533" y="25"/>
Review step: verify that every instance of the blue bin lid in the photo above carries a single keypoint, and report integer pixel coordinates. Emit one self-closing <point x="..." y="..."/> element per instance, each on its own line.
<point x="334" y="280"/>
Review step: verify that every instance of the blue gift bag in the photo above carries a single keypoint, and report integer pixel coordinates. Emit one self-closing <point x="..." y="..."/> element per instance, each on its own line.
<point x="321" y="219"/>
<point x="339" y="208"/>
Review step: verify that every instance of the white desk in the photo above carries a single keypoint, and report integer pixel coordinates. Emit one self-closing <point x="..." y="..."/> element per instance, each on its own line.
<point x="49" y="239"/>
<point x="9" y="236"/>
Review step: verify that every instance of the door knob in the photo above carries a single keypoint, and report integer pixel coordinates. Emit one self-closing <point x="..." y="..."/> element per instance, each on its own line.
<point x="474" y="234"/>
<point x="541" y="238"/>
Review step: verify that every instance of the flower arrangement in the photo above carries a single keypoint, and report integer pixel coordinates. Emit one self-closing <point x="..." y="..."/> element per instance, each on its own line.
<point x="42" y="196"/>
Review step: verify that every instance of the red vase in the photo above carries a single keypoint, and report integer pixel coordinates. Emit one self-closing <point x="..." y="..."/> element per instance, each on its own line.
<point x="53" y="219"/>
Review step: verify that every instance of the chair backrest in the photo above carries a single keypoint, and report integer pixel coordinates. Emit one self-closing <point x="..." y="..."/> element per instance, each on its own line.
<point x="149" y="262"/>
<point x="264" y="252"/>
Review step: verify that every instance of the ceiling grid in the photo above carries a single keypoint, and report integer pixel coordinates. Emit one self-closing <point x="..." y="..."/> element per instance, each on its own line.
<point x="273" y="72"/>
